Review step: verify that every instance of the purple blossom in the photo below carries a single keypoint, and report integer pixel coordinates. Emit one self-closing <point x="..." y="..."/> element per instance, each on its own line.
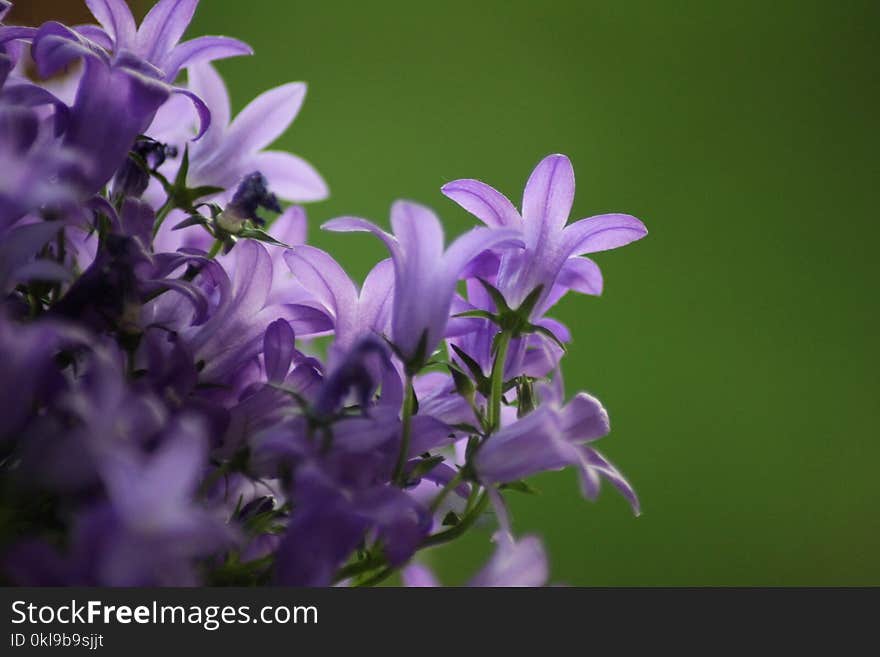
<point x="234" y="332"/>
<point x="157" y="40"/>
<point x="424" y="274"/>
<point x="515" y="563"/>
<point x="550" y="258"/>
<point x="355" y="314"/>
<point x="550" y="438"/>
<point x="230" y="149"/>
<point x="38" y="173"/>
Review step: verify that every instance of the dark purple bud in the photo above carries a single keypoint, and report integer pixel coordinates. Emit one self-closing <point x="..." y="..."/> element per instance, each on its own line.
<point x="133" y="178"/>
<point x="358" y="372"/>
<point x="106" y="297"/>
<point x="251" y="195"/>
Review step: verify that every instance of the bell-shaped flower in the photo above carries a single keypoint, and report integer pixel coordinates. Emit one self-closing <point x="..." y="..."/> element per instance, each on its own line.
<point x="550" y="438"/>
<point x="552" y="248"/>
<point x="232" y="148"/>
<point x="234" y="332"/>
<point x="355" y="313"/>
<point x="425" y="274"/>
<point x="515" y="563"/>
<point x="156" y="42"/>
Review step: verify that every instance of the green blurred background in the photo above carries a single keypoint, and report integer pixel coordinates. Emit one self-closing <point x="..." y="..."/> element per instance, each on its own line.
<point x="736" y="346"/>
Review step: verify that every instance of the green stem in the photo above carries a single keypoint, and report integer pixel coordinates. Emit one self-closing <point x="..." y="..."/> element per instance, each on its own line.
<point x="215" y="248"/>
<point x="359" y="568"/>
<point x="161" y="215"/>
<point x="451" y="485"/>
<point x="377" y="562"/>
<point x="379" y="577"/>
<point x="409" y="398"/>
<point x="454" y="532"/>
<point x="497" y="390"/>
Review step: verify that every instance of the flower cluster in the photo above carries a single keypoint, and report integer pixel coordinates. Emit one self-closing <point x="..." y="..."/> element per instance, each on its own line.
<point x="191" y="394"/>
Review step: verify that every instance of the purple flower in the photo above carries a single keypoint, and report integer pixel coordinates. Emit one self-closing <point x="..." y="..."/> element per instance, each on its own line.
<point x="229" y="150"/>
<point x="424" y="274"/>
<point x="515" y="563"/>
<point x="128" y="74"/>
<point x="354" y="314"/>
<point x="233" y="334"/>
<point x="550" y="258"/>
<point x="113" y="106"/>
<point x="550" y="438"/>
<point x="157" y="41"/>
<point x="38" y="173"/>
<point x="149" y="532"/>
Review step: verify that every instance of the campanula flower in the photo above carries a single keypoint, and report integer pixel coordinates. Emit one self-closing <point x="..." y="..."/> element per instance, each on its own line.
<point x="552" y="248"/>
<point x="425" y="274"/>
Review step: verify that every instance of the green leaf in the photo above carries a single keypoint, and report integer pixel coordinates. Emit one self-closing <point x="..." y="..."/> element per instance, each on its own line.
<point x="192" y="220"/>
<point x="463" y="385"/>
<point x="183" y="172"/>
<point x="424" y="466"/>
<point x="526" y="395"/>
<point x="482" y="314"/>
<point x="205" y="190"/>
<point x="528" y="305"/>
<point x="464" y="427"/>
<point x="472" y="365"/>
<point x="260" y="236"/>
<point x="534" y="328"/>
<point x="451" y="519"/>
<point x="497" y="298"/>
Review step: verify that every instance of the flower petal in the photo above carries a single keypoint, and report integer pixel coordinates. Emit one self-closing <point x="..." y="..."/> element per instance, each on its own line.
<point x="204" y="81"/>
<point x="602" y="233"/>
<point x="96" y="34"/>
<point x="319" y="273"/>
<point x="374" y="306"/>
<point x="581" y="275"/>
<point x="163" y="27"/>
<point x="291" y="177"/>
<point x="597" y="463"/>
<point x="202" y="110"/>
<point x="530" y="445"/>
<point x="469" y="245"/>
<point x="291" y="226"/>
<point x="515" y="563"/>
<point x="419" y="232"/>
<point x="56" y="45"/>
<point x="358" y="225"/>
<point x="265" y="118"/>
<point x="548" y="197"/>
<point x="278" y="350"/>
<point x="584" y="418"/>
<point x="416" y="575"/>
<point x="484" y="202"/>
<point x="202" y="49"/>
<point x="115" y="17"/>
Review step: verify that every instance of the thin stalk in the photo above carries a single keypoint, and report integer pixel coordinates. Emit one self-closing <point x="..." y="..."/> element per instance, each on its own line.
<point x="215" y="248"/>
<point x="454" y="532"/>
<point x="406" y="417"/>
<point x="497" y="389"/>
<point x="162" y="214"/>
<point x="451" y="485"/>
